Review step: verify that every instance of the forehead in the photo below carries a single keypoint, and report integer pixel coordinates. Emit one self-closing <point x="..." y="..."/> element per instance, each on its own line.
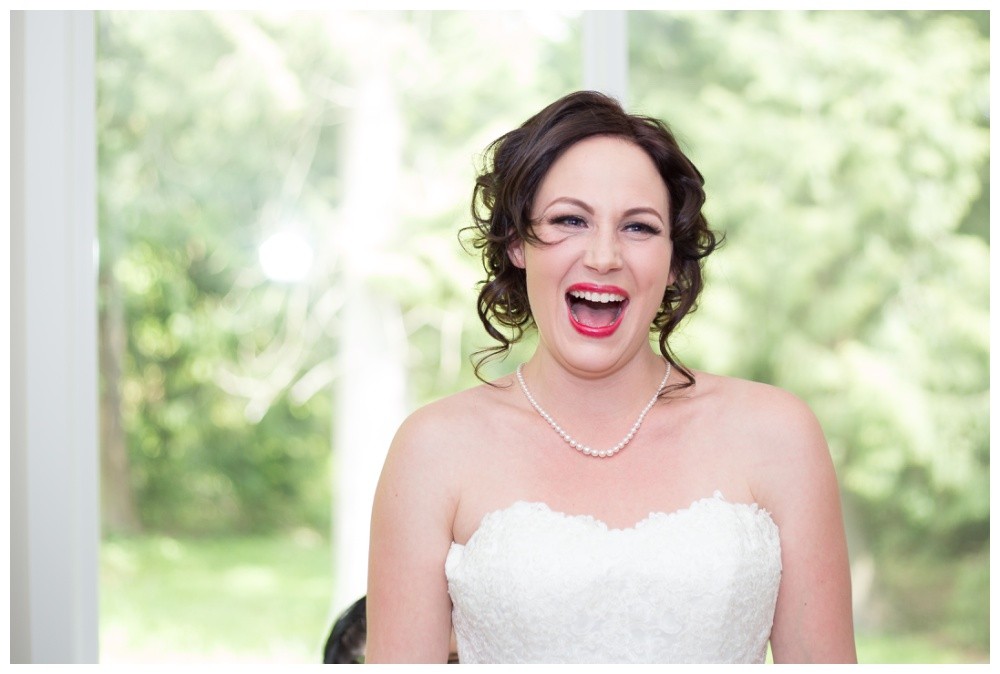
<point x="603" y="167"/>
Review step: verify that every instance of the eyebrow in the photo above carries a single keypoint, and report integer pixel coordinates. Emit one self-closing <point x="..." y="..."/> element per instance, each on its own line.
<point x="645" y="209"/>
<point x="585" y="206"/>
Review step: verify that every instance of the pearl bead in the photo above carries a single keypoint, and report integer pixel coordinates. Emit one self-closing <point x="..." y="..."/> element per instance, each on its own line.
<point x="579" y="446"/>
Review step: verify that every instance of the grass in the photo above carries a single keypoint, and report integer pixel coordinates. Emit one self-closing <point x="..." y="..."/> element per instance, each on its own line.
<point x="913" y="649"/>
<point x="165" y="600"/>
<point x="266" y="600"/>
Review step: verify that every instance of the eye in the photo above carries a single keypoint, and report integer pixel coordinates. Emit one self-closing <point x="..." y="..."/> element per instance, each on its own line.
<point x="569" y="221"/>
<point x="642" y="228"/>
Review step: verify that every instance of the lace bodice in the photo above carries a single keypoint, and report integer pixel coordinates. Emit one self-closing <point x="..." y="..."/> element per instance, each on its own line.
<point x="695" y="585"/>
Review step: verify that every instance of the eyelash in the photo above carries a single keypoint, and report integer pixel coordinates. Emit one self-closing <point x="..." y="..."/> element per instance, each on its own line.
<point x="638" y="227"/>
<point x="644" y="228"/>
<point x="571" y="220"/>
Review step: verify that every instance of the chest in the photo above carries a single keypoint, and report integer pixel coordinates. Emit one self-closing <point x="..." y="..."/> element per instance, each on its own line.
<point x="664" y="468"/>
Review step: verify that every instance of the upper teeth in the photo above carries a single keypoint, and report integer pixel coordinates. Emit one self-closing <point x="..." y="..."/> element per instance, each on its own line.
<point x="597" y="297"/>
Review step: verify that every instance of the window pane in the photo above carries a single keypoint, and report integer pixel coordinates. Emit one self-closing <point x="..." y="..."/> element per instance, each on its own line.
<point x="846" y="158"/>
<point x="269" y="182"/>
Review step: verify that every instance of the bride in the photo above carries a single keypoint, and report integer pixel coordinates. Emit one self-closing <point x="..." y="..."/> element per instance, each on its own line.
<point x="604" y="503"/>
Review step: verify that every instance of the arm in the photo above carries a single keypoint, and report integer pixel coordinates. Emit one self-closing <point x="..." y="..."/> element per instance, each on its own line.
<point x="813" y="619"/>
<point x="409" y="609"/>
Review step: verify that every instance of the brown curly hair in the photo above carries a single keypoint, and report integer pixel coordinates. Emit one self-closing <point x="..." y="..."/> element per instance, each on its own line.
<point x="513" y="168"/>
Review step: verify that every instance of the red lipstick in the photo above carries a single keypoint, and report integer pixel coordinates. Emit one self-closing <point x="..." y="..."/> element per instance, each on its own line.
<point x="596" y="310"/>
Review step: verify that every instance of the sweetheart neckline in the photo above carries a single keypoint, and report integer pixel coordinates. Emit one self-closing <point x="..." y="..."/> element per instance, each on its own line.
<point x="716" y="497"/>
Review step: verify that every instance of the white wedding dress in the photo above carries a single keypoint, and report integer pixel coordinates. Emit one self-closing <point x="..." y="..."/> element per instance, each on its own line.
<point x="695" y="585"/>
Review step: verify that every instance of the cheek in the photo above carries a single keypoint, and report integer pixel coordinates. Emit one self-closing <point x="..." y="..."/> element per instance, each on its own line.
<point x="659" y="276"/>
<point x="545" y="271"/>
<point x="655" y="264"/>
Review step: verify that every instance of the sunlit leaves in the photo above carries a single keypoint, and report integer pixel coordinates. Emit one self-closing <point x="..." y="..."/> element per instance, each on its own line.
<point x="843" y="152"/>
<point x="845" y="155"/>
<point x="194" y="145"/>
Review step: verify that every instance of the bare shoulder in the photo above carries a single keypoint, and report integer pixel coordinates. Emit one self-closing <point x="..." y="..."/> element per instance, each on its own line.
<point x="442" y="439"/>
<point x="778" y="437"/>
<point x="749" y="396"/>
<point x="444" y="426"/>
<point x="771" y="418"/>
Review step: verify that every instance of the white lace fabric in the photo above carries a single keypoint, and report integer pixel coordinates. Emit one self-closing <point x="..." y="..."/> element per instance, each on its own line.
<point x="697" y="585"/>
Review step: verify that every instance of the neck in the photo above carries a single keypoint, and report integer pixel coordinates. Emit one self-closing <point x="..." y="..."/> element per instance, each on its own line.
<point x="601" y="397"/>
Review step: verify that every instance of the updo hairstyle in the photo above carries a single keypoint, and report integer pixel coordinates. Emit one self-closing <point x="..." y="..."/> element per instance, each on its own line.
<point x="513" y="168"/>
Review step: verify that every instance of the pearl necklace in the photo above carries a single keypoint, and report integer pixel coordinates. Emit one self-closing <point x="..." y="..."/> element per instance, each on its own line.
<point x="579" y="446"/>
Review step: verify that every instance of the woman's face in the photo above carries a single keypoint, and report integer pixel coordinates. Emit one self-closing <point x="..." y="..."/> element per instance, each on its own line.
<point x="603" y="212"/>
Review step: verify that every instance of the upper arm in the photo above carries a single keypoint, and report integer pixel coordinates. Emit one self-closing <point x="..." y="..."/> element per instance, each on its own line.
<point x="813" y="619"/>
<point x="409" y="609"/>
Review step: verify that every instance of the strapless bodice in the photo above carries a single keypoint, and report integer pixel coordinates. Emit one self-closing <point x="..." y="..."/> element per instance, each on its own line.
<point x="695" y="585"/>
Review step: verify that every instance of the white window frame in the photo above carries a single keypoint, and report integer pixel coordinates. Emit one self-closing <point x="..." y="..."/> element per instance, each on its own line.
<point x="54" y="502"/>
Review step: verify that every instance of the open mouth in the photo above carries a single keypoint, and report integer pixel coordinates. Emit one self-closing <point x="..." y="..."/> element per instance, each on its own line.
<point x="596" y="311"/>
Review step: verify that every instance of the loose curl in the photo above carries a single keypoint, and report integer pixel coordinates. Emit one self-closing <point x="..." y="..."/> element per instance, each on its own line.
<point x="513" y="168"/>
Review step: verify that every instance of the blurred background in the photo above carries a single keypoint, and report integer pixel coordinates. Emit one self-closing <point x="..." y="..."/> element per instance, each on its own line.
<point x="281" y="281"/>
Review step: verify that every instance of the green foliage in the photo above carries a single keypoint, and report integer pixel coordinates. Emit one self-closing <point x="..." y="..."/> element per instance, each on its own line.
<point x="950" y="602"/>
<point x="454" y="109"/>
<point x="846" y="158"/>
<point x="197" y="154"/>
<point x="216" y="129"/>
<point x="842" y="152"/>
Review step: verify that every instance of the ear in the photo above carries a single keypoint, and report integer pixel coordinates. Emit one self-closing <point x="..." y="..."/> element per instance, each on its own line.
<point x="515" y="251"/>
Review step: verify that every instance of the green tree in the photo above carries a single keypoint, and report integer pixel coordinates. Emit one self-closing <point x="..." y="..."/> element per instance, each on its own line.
<point x="846" y="158"/>
<point x="216" y="129"/>
<point x="200" y="157"/>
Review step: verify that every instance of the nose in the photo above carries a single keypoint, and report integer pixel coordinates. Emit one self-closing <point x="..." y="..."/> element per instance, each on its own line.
<point x="603" y="253"/>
